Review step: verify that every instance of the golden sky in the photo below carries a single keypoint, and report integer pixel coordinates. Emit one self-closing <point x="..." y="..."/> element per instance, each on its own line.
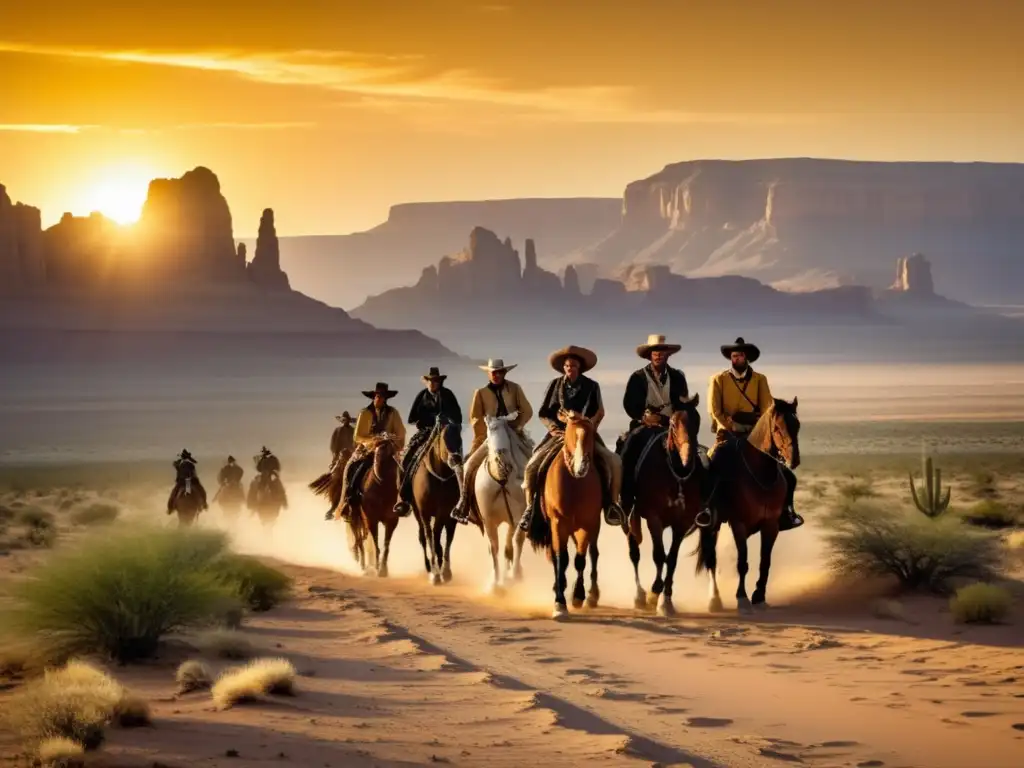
<point x="329" y="111"/>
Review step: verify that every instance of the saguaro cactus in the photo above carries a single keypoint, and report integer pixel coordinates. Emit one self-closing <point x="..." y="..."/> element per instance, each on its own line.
<point x="931" y="500"/>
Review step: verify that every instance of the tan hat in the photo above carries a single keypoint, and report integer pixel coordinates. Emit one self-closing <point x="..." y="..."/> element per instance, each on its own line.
<point x="497" y="364"/>
<point x="656" y="343"/>
<point x="587" y="358"/>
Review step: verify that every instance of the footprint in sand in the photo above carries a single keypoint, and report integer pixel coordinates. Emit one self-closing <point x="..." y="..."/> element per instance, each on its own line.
<point x="1018" y="726"/>
<point x="708" y="722"/>
<point x="978" y="714"/>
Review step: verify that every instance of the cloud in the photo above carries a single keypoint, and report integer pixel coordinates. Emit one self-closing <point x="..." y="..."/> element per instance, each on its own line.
<point x="382" y="79"/>
<point x="42" y="128"/>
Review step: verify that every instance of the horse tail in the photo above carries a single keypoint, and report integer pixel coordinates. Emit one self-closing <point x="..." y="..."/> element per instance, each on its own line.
<point x="539" y="533"/>
<point x="322" y="484"/>
<point x="707" y="550"/>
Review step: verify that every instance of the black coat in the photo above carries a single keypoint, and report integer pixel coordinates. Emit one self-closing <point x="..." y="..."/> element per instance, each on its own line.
<point x="586" y="401"/>
<point x="635" y="399"/>
<point x="424" y="413"/>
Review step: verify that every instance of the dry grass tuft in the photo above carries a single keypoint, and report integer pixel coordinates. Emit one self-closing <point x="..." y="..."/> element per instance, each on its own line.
<point x="257" y="678"/>
<point x="980" y="604"/>
<point x="225" y="644"/>
<point x="193" y="676"/>
<point x="60" y="752"/>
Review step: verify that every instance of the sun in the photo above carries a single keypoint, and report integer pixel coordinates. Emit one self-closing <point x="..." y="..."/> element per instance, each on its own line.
<point x="119" y="192"/>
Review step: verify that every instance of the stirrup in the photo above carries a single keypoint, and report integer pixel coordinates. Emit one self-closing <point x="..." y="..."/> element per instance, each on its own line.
<point x="614" y="515"/>
<point x="403" y="508"/>
<point x="703" y="518"/>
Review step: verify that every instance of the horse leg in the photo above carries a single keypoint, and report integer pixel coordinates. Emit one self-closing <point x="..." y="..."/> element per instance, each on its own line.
<point x="449" y="528"/>
<point x="707" y="559"/>
<point x="579" y="593"/>
<point x="640" y="601"/>
<point x="423" y="542"/>
<point x="428" y="525"/>
<point x="594" y="593"/>
<point x="767" y="544"/>
<point x="658" y="550"/>
<point x="376" y="546"/>
<point x="492" y="546"/>
<point x="510" y="551"/>
<point x="739" y="535"/>
<point x="389" y="530"/>
<point x="438" y="529"/>
<point x="665" y="607"/>
<point x="560" y="562"/>
<point x="519" y="537"/>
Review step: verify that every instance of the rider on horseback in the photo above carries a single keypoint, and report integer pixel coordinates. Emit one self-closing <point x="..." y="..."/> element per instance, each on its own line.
<point x="500" y="398"/>
<point x="433" y="400"/>
<point x="737" y="398"/>
<point x="572" y="391"/>
<point x="375" y="419"/>
<point x="268" y="473"/>
<point x="342" y="439"/>
<point x="653" y="394"/>
<point x="186" y="477"/>
<point x="230" y="474"/>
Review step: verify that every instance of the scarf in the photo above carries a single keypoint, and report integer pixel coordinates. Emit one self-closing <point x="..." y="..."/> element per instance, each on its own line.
<point x="498" y="389"/>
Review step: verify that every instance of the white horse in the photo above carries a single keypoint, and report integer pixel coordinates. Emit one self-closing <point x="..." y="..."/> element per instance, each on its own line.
<point x="499" y="494"/>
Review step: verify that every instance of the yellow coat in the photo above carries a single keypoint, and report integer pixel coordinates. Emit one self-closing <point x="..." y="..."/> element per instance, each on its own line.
<point x="365" y="432"/>
<point x="725" y="398"/>
<point x="486" y="404"/>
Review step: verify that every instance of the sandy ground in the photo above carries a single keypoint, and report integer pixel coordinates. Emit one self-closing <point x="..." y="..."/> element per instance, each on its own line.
<point x="399" y="672"/>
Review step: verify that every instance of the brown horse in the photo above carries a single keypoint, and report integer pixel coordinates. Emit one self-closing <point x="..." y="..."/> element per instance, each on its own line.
<point x="750" y="497"/>
<point x="187" y="501"/>
<point x="435" y="492"/>
<point x="266" y="498"/>
<point x="230" y="497"/>
<point x="375" y="506"/>
<point x="668" y="483"/>
<point x="572" y="503"/>
<point x="330" y="483"/>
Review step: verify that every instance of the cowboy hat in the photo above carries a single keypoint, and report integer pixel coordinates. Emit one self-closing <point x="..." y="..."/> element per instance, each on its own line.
<point x="186" y="456"/>
<point x="231" y="459"/>
<point x="497" y="364"/>
<point x="380" y="389"/>
<point x="434" y="374"/>
<point x="587" y="358"/>
<point x="345" y="416"/>
<point x="656" y="343"/>
<point x="750" y="350"/>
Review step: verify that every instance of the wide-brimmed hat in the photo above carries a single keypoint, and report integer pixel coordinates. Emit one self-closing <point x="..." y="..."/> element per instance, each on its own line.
<point x="345" y="416"/>
<point x="434" y="374"/>
<point x="264" y="451"/>
<point x="231" y="459"/>
<point x="587" y="358"/>
<point x="750" y="350"/>
<point x="656" y="343"/>
<point x="186" y="456"/>
<point x="380" y="388"/>
<point x="497" y="364"/>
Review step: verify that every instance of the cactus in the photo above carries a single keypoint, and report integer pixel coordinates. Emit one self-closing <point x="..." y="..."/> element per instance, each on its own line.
<point x="931" y="500"/>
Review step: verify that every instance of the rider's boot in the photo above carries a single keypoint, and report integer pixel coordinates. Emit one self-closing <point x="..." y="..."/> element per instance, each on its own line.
<point x="170" y="499"/>
<point x="529" y="512"/>
<point x="789" y="519"/>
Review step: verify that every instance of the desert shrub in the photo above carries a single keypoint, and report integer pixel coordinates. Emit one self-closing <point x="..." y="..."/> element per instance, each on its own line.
<point x="225" y="644"/>
<point x="7" y="514"/>
<point x="992" y="514"/>
<point x="35" y="517"/>
<point x="193" y="676"/>
<point x="75" y="703"/>
<point x="118" y="595"/>
<point x="41" y="536"/>
<point x="258" y="585"/>
<point x="255" y="679"/>
<point x="922" y="553"/>
<point x="60" y="752"/>
<point x="100" y="513"/>
<point x="131" y="712"/>
<point x="855" y="490"/>
<point x="982" y="485"/>
<point x="980" y="604"/>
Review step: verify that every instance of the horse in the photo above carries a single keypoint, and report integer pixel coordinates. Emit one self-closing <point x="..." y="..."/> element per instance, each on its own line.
<point x="572" y="503"/>
<point x="231" y="497"/>
<point x="435" y="492"/>
<point x="376" y="505"/>
<point x="330" y="483"/>
<point x="267" y="497"/>
<point x="668" y="486"/>
<point x="499" y="497"/>
<point x="186" y="501"/>
<point x="750" y="498"/>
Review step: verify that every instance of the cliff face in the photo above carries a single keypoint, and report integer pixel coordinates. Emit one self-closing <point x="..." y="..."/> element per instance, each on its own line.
<point x="835" y="221"/>
<point x="914" y="275"/>
<point x="21" y="245"/>
<point x="265" y="269"/>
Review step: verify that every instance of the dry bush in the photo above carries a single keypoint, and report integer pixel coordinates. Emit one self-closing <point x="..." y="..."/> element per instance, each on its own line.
<point x="35" y="517"/>
<point x="193" y="676"/>
<point x="100" y="513"/>
<point x="980" y="604"/>
<point x="982" y="485"/>
<point x="60" y="752"/>
<point x="259" y="586"/>
<point x="225" y="644"/>
<point x="257" y="678"/>
<point x="922" y="553"/>
<point x="992" y="514"/>
<point x="855" y="490"/>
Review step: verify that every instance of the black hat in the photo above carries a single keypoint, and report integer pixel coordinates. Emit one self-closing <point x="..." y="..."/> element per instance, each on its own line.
<point x="750" y="350"/>
<point x="434" y="374"/>
<point x="231" y="459"/>
<point x="380" y="389"/>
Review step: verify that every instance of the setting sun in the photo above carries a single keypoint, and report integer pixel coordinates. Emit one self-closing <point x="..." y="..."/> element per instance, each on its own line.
<point x="119" y="192"/>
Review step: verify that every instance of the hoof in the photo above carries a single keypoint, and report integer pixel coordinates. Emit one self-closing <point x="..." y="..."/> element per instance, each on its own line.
<point x="435" y="579"/>
<point x="496" y="589"/>
<point x="592" y="601"/>
<point x="760" y="606"/>
<point x="577" y="604"/>
<point x="560" y="613"/>
<point x="517" y="574"/>
<point x="743" y="606"/>
<point x="640" y="602"/>
<point x="665" y="608"/>
<point x="715" y="605"/>
<point x="446" y="575"/>
<point x="382" y="573"/>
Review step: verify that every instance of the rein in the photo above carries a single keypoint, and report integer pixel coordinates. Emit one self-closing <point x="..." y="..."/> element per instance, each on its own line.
<point x="775" y="460"/>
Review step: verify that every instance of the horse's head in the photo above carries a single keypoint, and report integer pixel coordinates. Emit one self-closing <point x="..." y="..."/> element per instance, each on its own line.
<point x="385" y="445"/>
<point x="580" y="435"/>
<point x="499" y="446"/>
<point x="450" y="444"/>
<point x="683" y="428"/>
<point x="785" y="428"/>
<point x="186" y="470"/>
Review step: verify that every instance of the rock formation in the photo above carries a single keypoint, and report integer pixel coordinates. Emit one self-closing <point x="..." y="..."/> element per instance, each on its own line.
<point x="537" y="281"/>
<point x="185" y="229"/>
<point x="21" y="245"/>
<point x="241" y="253"/>
<point x="571" y="282"/>
<point x="265" y="269"/>
<point x="914" y="276"/>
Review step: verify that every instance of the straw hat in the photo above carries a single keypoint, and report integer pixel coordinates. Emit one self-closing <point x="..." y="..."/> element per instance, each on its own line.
<point x="587" y="358"/>
<point x="656" y="343"/>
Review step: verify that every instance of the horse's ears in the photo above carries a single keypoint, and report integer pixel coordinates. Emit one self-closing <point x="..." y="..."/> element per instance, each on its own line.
<point x="794" y="402"/>
<point x="693" y="400"/>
